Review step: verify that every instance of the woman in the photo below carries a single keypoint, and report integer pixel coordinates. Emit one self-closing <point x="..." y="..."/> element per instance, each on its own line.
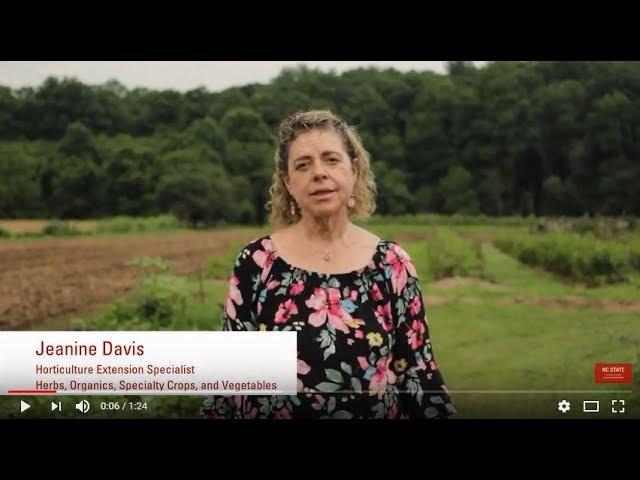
<point x="354" y="299"/>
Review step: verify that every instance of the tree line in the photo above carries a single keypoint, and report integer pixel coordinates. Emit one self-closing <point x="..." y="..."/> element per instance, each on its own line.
<point x="544" y="138"/>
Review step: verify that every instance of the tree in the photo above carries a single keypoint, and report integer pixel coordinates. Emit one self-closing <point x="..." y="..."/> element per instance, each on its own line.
<point x="457" y="192"/>
<point x="198" y="102"/>
<point x="55" y="105"/>
<point x="8" y="108"/>
<point x="533" y="137"/>
<point x="198" y="194"/>
<point x="77" y="188"/>
<point x="554" y="195"/>
<point x="393" y="196"/>
<point x="79" y="141"/>
<point x="249" y="152"/>
<point x="242" y="208"/>
<point x="20" y="193"/>
<point x="208" y="132"/>
<point x="106" y="111"/>
<point x="244" y="124"/>
<point x="457" y="67"/>
<point x="167" y="107"/>
<point x="224" y="101"/>
<point x="491" y="189"/>
<point x="426" y="200"/>
<point x="429" y="132"/>
<point x="131" y="185"/>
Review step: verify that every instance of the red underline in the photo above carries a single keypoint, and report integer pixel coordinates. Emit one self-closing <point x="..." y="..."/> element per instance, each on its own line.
<point x="34" y="392"/>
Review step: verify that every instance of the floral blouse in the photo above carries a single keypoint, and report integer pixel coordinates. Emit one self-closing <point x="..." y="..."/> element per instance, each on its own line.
<point x="363" y="339"/>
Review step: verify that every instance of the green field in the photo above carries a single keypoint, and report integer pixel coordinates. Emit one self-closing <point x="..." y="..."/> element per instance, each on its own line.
<point x="511" y="340"/>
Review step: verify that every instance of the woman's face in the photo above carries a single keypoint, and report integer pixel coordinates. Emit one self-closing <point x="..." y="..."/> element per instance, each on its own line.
<point x="320" y="174"/>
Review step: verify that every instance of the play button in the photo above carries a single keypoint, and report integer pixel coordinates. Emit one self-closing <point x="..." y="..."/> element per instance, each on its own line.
<point x="24" y="406"/>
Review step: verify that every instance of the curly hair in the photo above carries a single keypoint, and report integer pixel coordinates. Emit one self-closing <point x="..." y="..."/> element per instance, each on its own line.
<point x="364" y="189"/>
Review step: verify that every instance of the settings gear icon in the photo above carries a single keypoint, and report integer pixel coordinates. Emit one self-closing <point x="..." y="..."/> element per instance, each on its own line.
<point x="564" y="406"/>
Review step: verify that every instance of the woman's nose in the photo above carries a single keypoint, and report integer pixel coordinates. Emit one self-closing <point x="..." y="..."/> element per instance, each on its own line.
<point x="319" y="170"/>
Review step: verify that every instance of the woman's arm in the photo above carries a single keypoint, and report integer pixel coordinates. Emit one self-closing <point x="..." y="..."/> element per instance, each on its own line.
<point x="423" y="393"/>
<point x="238" y="315"/>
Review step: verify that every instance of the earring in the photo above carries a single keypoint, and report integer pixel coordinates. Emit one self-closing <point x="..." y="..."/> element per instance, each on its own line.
<point x="292" y="209"/>
<point x="352" y="201"/>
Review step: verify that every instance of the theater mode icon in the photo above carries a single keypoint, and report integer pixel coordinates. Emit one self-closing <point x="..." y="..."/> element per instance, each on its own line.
<point x="564" y="406"/>
<point x="591" y="406"/>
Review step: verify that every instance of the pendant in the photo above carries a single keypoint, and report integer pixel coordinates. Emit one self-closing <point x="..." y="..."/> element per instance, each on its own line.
<point x="327" y="256"/>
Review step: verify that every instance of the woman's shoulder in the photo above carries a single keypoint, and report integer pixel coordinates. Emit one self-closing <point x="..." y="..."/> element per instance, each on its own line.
<point x="258" y="243"/>
<point x="365" y="236"/>
<point x="393" y="245"/>
<point x="387" y="251"/>
<point x="392" y="254"/>
<point x="253" y="253"/>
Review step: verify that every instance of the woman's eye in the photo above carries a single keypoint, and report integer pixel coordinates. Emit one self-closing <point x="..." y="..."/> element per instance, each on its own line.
<point x="334" y="160"/>
<point x="301" y="166"/>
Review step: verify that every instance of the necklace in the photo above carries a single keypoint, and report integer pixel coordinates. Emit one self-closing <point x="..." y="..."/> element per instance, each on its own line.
<point x="326" y="253"/>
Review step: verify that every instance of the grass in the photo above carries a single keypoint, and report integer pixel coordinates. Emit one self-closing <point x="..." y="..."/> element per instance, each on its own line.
<point x="125" y="224"/>
<point x="107" y="227"/>
<point x="536" y="281"/>
<point x="431" y="219"/>
<point x="500" y="345"/>
<point x="572" y="256"/>
<point x="488" y="342"/>
<point x="496" y="346"/>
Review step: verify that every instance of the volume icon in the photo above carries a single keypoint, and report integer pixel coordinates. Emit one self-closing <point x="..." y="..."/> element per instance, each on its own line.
<point x="83" y="406"/>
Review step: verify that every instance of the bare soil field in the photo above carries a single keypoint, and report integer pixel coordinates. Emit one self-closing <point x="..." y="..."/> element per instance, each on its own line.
<point x="48" y="278"/>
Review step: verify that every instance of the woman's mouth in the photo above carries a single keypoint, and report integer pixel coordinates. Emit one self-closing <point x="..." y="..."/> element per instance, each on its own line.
<point x="322" y="193"/>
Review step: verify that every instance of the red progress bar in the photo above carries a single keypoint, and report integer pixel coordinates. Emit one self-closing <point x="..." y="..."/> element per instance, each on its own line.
<point x="34" y="392"/>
